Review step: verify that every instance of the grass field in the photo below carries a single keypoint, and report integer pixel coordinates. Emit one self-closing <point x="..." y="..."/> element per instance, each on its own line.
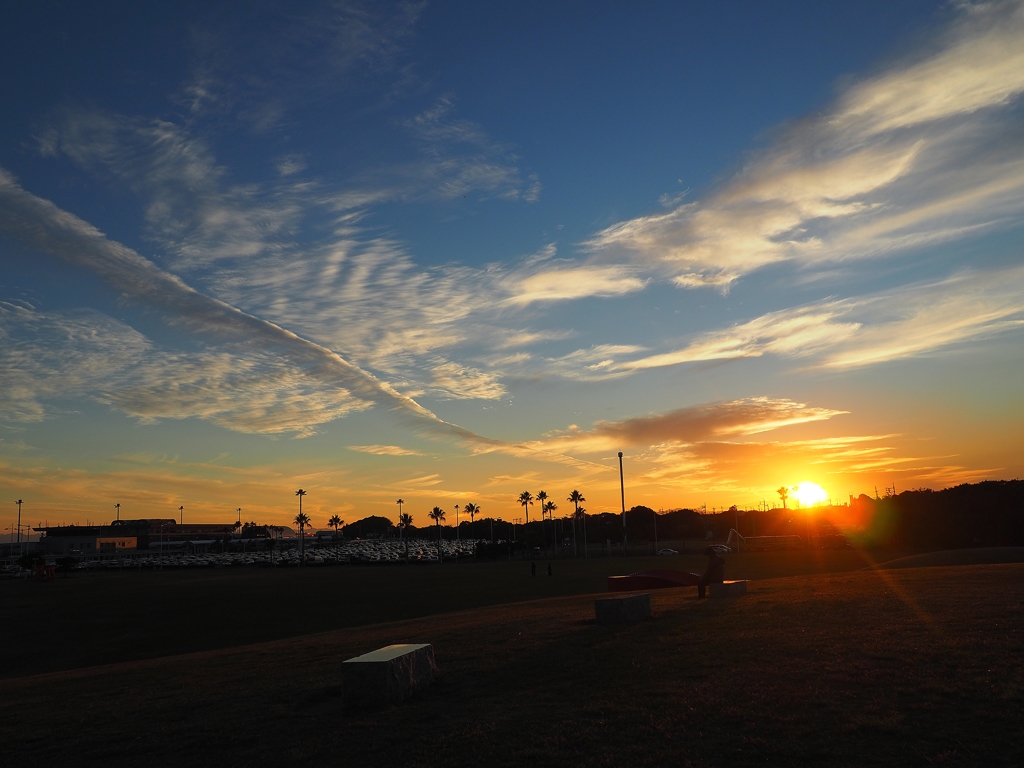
<point x="113" y="617"/>
<point x="911" y="666"/>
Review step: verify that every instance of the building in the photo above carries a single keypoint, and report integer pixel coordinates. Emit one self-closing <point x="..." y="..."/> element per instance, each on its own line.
<point x="129" y="535"/>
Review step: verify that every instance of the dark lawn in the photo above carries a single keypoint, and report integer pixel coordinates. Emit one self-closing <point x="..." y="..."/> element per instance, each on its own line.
<point x="886" y="667"/>
<point x="101" y="618"/>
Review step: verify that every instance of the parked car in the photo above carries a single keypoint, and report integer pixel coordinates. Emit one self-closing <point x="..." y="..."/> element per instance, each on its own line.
<point x="721" y="549"/>
<point x="667" y="552"/>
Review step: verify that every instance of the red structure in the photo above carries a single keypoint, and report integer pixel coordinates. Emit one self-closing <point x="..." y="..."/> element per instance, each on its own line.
<point x="659" y="578"/>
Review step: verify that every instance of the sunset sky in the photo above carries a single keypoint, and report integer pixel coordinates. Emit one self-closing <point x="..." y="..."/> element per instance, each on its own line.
<point x="453" y="251"/>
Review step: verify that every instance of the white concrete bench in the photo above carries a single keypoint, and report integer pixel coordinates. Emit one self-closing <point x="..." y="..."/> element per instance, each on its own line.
<point x="728" y="588"/>
<point x="622" y="609"/>
<point x="387" y="675"/>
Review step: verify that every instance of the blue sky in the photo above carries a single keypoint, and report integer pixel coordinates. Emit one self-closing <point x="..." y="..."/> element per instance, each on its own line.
<point x="450" y="252"/>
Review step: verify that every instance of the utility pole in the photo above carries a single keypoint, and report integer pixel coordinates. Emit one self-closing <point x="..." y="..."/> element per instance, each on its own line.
<point x="622" y="494"/>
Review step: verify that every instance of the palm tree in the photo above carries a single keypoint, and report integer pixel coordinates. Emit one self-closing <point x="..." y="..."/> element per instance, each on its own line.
<point x="400" y="502"/>
<point x="526" y="498"/>
<point x="550" y="507"/>
<point x="784" y="493"/>
<point x="302" y="521"/>
<point x="472" y="510"/>
<point x="404" y="521"/>
<point x="437" y="515"/>
<point x="336" y="523"/>
<point x="576" y="497"/>
<point x="542" y="498"/>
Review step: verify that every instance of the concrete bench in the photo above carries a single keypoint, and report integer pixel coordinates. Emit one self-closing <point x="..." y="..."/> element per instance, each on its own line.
<point x="728" y="588"/>
<point x="622" y="609"/>
<point x="387" y="675"/>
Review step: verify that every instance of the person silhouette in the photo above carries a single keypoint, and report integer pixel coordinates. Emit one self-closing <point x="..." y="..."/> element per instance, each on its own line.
<point x="715" y="573"/>
<point x="549" y="569"/>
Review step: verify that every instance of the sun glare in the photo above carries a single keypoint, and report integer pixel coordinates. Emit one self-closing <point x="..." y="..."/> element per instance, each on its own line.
<point x="809" y="494"/>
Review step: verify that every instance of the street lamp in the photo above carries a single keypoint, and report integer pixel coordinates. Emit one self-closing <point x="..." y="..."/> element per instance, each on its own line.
<point x="181" y="515"/>
<point x="118" y="508"/>
<point x="622" y="492"/>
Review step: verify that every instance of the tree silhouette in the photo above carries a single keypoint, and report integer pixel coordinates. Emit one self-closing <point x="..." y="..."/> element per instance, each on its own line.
<point x="526" y="499"/>
<point x="302" y="521"/>
<point x="404" y="521"/>
<point x="542" y="497"/>
<point x="472" y="510"/>
<point x="335" y="522"/>
<point x="784" y="493"/>
<point x="400" y="502"/>
<point x="549" y="507"/>
<point x="576" y="497"/>
<point x="437" y="515"/>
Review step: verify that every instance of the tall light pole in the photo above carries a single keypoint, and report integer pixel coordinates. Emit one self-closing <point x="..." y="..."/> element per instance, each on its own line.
<point x="118" y="508"/>
<point x="19" y="503"/>
<point x="622" y="492"/>
<point x="181" y="515"/>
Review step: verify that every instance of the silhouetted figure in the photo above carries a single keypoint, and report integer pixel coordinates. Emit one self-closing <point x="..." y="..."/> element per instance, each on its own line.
<point x="715" y="573"/>
<point x="549" y="569"/>
<point x="533" y="569"/>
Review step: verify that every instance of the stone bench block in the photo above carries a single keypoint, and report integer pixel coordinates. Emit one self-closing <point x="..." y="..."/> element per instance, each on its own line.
<point x="387" y="675"/>
<point x="728" y="588"/>
<point x="623" y="609"/>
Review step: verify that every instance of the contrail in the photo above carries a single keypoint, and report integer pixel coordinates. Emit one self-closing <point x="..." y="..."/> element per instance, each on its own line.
<point x="42" y="225"/>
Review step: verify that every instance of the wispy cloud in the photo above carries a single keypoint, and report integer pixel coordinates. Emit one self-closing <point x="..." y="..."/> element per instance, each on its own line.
<point x="460" y="157"/>
<point x="385" y="450"/>
<point x="924" y="152"/>
<point x="464" y="382"/>
<point x="260" y="79"/>
<point x="687" y="425"/>
<point x="572" y="282"/>
<point x="894" y="324"/>
<point x="45" y="356"/>
<point x="59" y="356"/>
<point x="40" y="224"/>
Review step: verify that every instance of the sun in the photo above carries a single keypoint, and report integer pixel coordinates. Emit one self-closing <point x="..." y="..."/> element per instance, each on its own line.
<point x="809" y="494"/>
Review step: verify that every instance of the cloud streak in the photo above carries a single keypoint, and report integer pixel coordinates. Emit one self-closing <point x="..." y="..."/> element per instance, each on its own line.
<point x="891" y="325"/>
<point x="923" y="153"/>
<point x="687" y="425"/>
